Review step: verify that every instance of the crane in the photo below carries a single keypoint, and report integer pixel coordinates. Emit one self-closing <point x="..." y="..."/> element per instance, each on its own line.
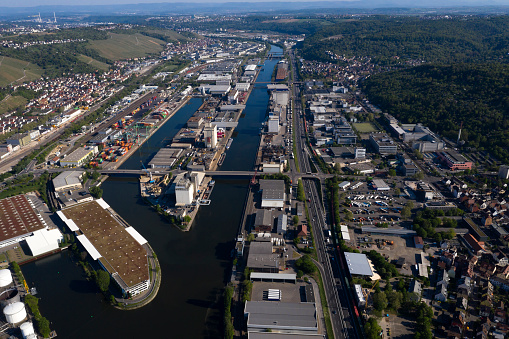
<point x="149" y="173"/>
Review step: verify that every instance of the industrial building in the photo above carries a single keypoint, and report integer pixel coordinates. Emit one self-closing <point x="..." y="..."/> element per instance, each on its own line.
<point x="358" y="264"/>
<point x="273" y="193"/>
<point x="380" y="185"/>
<point x="68" y="180"/>
<point x="212" y="78"/>
<point x="263" y="221"/>
<point x="19" y="139"/>
<point x="210" y="136"/>
<point x="18" y="220"/>
<point x="117" y="247"/>
<point x="398" y="232"/>
<point x="261" y="257"/>
<point x="184" y="192"/>
<point x="383" y="144"/>
<point x="359" y="296"/>
<point x="282" y="224"/>
<point x="273" y="124"/>
<point x="165" y="158"/>
<point x="79" y="156"/>
<point x="295" y="318"/>
<point x="454" y="160"/>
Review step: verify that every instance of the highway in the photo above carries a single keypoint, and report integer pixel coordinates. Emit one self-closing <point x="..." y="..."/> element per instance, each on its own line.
<point x="336" y="293"/>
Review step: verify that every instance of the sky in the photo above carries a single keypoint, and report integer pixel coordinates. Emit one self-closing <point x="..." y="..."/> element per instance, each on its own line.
<point x="32" y="3"/>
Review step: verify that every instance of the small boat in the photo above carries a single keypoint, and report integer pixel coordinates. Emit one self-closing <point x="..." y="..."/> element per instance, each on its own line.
<point x="221" y="160"/>
<point x="229" y="143"/>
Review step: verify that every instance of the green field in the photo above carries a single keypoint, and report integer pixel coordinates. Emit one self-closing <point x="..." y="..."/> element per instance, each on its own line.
<point x="124" y="46"/>
<point x="10" y="103"/>
<point x="12" y="70"/>
<point x="365" y="127"/>
<point x="91" y="61"/>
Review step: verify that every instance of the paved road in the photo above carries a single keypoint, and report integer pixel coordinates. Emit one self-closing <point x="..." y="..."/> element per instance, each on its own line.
<point x="337" y="295"/>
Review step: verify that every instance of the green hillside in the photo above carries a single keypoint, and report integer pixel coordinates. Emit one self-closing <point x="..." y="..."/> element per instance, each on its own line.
<point x="124" y="46"/>
<point x="94" y="63"/>
<point x="13" y="69"/>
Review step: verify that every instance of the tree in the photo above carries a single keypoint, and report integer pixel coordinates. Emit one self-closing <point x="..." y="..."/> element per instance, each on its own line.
<point x="187" y="219"/>
<point x="372" y="329"/>
<point x="392" y="172"/>
<point x="394" y="299"/>
<point x="419" y="176"/>
<point x="305" y="264"/>
<point x="295" y="219"/>
<point x="43" y="326"/>
<point x="348" y="215"/>
<point x="397" y="191"/>
<point x="406" y="212"/>
<point x="300" y="191"/>
<point x="96" y="192"/>
<point x="380" y="302"/>
<point x="250" y="237"/>
<point x="103" y="280"/>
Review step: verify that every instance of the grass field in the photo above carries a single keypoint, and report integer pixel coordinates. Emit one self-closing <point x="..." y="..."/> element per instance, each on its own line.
<point x="124" y="46"/>
<point x="11" y="103"/>
<point x="12" y="70"/>
<point x="96" y="63"/>
<point x="365" y="127"/>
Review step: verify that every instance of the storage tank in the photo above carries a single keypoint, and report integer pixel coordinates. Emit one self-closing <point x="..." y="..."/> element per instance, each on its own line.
<point x="9" y="296"/>
<point x="15" y="313"/>
<point x="5" y="278"/>
<point x="27" y="330"/>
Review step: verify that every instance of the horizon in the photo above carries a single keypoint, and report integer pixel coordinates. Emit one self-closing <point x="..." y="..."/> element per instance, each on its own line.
<point x="361" y="3"/>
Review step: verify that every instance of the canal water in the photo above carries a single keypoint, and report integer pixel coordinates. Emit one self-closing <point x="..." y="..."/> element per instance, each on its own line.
<point x="194" y="265"/>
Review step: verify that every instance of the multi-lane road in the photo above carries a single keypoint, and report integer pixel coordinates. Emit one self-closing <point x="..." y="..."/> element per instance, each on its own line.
<point x="337" y="294"/>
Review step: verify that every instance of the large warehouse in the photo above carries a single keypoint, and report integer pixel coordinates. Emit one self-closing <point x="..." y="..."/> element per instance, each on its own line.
<point x="68" y="180"/>
<point x="358" y="264"/>
<point x="117" y="248"/>
<point x="273" y="193"/>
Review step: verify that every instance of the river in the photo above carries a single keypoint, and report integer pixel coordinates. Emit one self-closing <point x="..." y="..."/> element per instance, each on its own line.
<point x="194" y="265"/>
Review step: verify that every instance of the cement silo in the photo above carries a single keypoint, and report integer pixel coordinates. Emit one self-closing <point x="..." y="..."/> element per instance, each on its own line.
<point x="15" y="313"/>
<point x="27" y="330"/>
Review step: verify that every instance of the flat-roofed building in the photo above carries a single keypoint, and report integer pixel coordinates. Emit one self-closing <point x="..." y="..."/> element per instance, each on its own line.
<point x="297" y="318"/>
<point x="380" y="185"/>
<point x="273" y="193"/>
<point x="359" y="296"/>
<point x="358" y="264"/>
<point x="165" y="158"/>
<point x="454" y="160"/>
<point x="19" y="139"/>
<point x="263" y="221"/>
<point x="18" y="219"/>
<point x="117" y="248"/>
<point x="261" y="258"/>
<point x="383" y="144"/>
<point x="68" y="180"/>
<point x="79" y="156"/>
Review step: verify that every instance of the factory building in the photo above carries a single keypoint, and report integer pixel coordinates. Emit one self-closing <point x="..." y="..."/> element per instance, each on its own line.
<point x="118" y="249"/>
<point x="358" y="264"/>
<point x="19" y="139"/>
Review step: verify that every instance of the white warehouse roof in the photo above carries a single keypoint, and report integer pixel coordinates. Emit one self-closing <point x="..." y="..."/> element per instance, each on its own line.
<point x="43" y="241"/>
<point x="94" y="253"/>
<point x="358" y="264"/>
<point x="138" y="237"/>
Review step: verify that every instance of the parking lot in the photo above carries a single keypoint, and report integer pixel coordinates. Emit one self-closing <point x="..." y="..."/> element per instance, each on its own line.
<point x="398" y="327"/>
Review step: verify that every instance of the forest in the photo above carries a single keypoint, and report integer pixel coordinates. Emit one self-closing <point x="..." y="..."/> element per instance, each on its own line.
<point x="443" y="96"/>
<point x="396" y="40"/>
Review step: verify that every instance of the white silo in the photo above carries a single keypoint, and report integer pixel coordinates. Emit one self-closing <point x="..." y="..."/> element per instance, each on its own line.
<point x="5" y="278"/>
<point x="15" y="313"/>
<point x="27" y="330"/>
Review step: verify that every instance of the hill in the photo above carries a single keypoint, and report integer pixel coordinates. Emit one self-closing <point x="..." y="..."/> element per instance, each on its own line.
<point x="390" y="41"/>
<point x="12" y="70"/>
<point x="442" y="97"/>
<point x="125" y="46"/>
<point x="93" y="62"/>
